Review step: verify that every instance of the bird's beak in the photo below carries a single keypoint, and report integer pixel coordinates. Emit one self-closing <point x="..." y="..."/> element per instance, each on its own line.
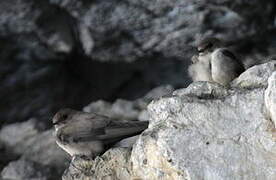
<point x="200" y="50"/>
<point x="55" y="123"/>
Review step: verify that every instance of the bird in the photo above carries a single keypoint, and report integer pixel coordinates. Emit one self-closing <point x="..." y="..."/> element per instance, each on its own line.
<point x="89" y="134"/>
<point x="214" y="63"/>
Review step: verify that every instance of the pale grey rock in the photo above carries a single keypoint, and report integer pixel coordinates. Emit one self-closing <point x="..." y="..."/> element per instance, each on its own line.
<point x="158" y="92"/>
<point x="209" y="137"/>
<point x="112" y="165"/>
<point x="86" y="39"/>
<point x="23" y="169"/>
<point x="155" y="93"/>
<point x="17" y="135"/>
<point x="143" y="115"/>
<point x="120" y="109"/>
<point x="124" y="109"/>
<point x="43" y="149"/>
<point x="255" y="76"/>
<point x="203" y="90"/>
<point x="26" y="140"/>
<point x="129" y="110"/>
<point x="6" y="156"/>
<point x="270" y="97"/>
<point x="100" y="107"/>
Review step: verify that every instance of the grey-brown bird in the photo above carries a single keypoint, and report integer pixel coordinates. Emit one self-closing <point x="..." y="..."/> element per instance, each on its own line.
<point x="214" y="63"/>
<point x="90" y="134"/>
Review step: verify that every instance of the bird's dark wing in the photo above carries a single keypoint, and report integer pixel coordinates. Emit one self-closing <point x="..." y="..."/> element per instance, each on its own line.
<point x="89" y="135"/>
<point x="230" y="55"/>
<point x="118" y="130"/>
<point x="115" y="131"/>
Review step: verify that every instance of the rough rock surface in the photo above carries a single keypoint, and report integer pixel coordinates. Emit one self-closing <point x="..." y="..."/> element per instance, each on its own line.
<point x="26" y="170"/>
<point x="205" y="131"/>
<point x="112" y="165"/>
<point x="270" y="98"/>
<point x="26" y="141"/>
<point x="132" y="29"/>
<point x="255" y="76"/>
<point x="219" y="134"/>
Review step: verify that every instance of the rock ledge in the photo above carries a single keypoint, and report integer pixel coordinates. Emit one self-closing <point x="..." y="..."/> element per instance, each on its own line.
<point x="204" y="131"/>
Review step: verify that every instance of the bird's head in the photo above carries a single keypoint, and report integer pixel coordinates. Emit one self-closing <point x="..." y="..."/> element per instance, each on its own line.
<point x="62" y="117"/>
<point x="208" y="45"/>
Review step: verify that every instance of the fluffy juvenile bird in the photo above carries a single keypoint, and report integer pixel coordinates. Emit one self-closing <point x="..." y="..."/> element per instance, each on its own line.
<point x="214" y="63"/>
<point x="90" y="134"/>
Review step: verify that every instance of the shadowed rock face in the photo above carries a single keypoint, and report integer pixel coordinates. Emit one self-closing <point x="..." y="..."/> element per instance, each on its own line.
<point x="68" y="53"/>
<point x="39" y="89"/>
<point x="127" y="30"/>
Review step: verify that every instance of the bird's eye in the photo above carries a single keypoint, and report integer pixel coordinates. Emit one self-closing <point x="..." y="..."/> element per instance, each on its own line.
<point x="205" y="47"/>
<point x="209" y="45"/>
<point x="64" y="116"/>
<point x="60" y="118"/>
